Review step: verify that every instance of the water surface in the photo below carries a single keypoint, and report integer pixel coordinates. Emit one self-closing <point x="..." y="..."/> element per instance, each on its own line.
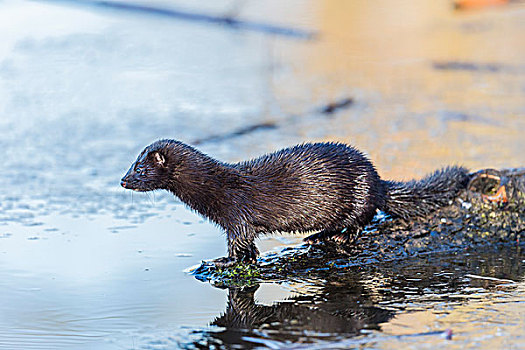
<point x="85" y="264"/>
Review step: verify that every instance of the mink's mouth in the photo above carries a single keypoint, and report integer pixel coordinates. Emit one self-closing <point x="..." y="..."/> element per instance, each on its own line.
<point x="130" y="186"/>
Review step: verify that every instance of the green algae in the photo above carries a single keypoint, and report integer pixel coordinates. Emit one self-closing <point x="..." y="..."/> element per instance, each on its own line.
<point x="239" y="275"/>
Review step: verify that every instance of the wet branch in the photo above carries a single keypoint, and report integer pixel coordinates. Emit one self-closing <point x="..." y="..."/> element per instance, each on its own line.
<point x="228" y="20"/>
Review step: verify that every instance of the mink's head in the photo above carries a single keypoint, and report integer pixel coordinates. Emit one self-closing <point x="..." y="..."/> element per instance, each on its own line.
<point x="151" y="170"/>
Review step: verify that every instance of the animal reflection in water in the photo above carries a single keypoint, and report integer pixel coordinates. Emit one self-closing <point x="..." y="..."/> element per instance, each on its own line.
<point x="333" y="311"/>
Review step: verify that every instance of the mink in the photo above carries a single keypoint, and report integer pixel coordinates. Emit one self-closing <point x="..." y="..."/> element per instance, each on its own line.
<point x="329" y="188"/>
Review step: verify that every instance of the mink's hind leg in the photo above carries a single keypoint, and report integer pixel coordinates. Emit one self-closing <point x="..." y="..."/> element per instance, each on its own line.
<point x="343" y="236"/>
<point x="318" y="237"/>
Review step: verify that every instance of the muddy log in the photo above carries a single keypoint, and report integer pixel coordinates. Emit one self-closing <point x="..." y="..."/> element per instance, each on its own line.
<point x="491" y="211"/>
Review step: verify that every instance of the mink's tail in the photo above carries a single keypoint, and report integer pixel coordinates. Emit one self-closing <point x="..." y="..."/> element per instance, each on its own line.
<point x="418" y="198"/>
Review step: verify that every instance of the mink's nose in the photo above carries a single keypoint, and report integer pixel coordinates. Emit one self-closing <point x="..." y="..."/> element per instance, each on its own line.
<point x="123" y="183"/>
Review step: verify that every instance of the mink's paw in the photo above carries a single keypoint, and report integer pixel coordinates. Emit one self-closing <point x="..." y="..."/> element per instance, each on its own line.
<point x="316" y="238"/>
<point x="338" y="237"/>
<point x="223" y="262"/>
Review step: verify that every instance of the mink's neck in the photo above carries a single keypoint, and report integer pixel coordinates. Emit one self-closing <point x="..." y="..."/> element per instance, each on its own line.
<point x="205" y="184"/>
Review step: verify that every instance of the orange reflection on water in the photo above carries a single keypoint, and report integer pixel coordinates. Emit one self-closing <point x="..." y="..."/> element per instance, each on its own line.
<point x="433" y="86"/>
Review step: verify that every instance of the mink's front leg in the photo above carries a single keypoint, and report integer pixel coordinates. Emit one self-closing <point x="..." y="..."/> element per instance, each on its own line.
<point x="241" y="248"/>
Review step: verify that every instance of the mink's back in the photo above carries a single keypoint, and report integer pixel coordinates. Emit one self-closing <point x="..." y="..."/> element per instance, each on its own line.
<point x="307" y="187"/>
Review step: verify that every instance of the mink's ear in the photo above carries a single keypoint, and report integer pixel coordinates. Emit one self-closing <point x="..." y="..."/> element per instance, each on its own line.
<point x="159" y="159"/>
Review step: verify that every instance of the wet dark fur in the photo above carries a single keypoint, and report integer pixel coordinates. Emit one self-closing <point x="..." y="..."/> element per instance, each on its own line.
<point x="328" y="187"/>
